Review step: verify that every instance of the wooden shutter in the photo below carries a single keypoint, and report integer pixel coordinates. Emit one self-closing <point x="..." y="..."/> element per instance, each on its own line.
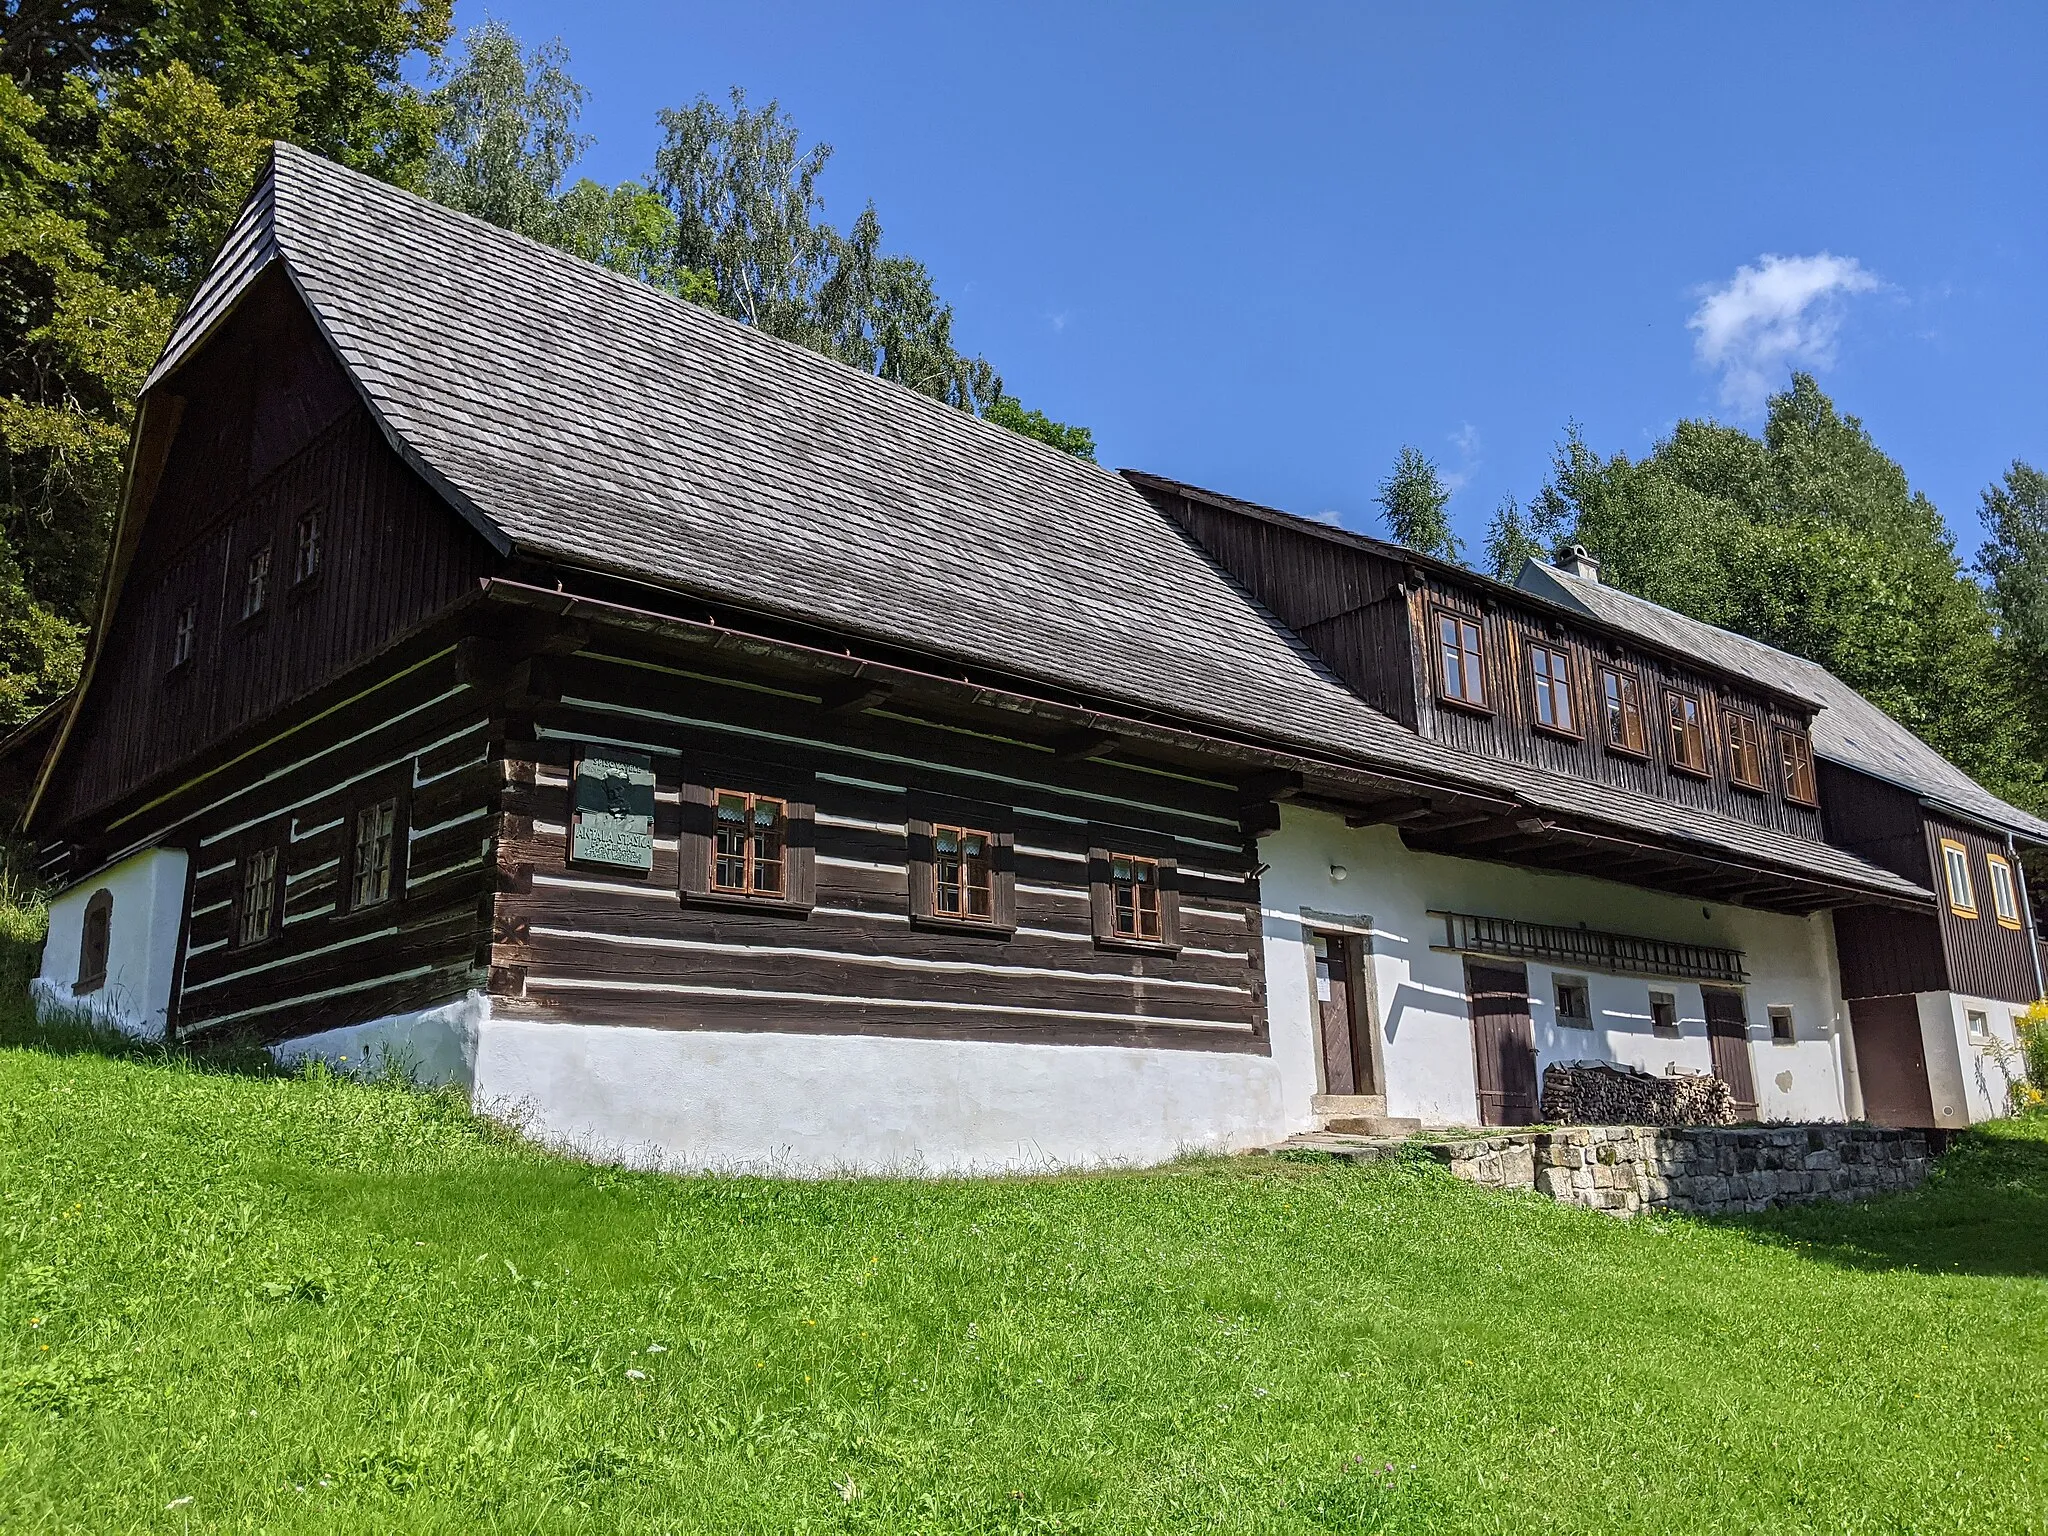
<point x="918" y="859"/>
<point x="694" y="840"/>
<point x="1169" y="904"/>
<point x="1003" y="881"/>
<point x="1101" y="903"/>
<point x="800" y="850"/>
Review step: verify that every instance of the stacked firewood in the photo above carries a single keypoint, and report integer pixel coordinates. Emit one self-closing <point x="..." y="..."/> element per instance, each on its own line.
<point x="1608" y="1093"/>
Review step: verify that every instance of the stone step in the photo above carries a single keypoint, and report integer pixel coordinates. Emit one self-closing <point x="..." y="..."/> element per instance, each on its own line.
<point x="1372" y="1125"/>
<point x="1348" y="1104"/>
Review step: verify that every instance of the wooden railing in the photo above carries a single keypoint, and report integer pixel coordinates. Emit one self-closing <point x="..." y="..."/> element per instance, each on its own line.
<point x="1619" y="954"/>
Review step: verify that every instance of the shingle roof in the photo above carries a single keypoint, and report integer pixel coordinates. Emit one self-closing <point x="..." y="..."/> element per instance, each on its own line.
<point x="1849" y="729"/>
<point x="587" y="418"/>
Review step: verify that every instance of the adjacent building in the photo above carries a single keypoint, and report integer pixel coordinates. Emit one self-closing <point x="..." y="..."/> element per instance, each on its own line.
<point x="713" y="754"/>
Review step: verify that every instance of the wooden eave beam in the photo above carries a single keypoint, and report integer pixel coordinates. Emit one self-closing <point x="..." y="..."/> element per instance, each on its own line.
<point x="852" y="695"/>
<point x="1080" y="746"/>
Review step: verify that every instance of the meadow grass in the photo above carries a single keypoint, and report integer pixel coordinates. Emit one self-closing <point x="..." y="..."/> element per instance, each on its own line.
<point x="235" y="1300"/>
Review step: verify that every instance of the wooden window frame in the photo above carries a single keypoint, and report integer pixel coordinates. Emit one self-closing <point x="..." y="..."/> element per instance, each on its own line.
<point x="1626" y="681"/>
<point x="1676" y="1029"/>
<point x="927" y="816"/>
<point x="184" y="638"/>
<point x="1103" y="857"/>
<point x="705" y="777"/>
<point x="256" y="575"/>
<point x="307" y="533"/>
<point x="95" y="932"/>
<point x="750" y="859"/>
<point x="345" y="900"/>
<point x="1790" y="773"/>
<point x="1471" y="664"/>
<point x="2004" y="893"/>
<point x="1539" y="689"/>
<point x="1964" y="905"/>
<point x="1704" y="768"/>
<point x="273" y="923"/>
<point x="1731" y="719"/>
<point x="1559" y="985"/>
<point x="1781" y="1013"/>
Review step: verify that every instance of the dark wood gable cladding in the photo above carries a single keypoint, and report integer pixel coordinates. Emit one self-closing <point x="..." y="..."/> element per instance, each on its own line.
<point x="272" y="442"/>
<point x="1373" y="615"/>
<point x="861" y="952"/>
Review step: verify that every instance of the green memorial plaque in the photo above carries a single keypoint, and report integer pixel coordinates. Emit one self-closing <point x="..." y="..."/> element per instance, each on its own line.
<point x="612" y="820"/>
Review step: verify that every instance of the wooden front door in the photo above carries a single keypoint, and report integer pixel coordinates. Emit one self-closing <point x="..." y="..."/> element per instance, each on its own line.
<point x="1728" y="1039"/>
<point x="1503" y="1043"/>
<point x="1891" y="1061"/>
<point x="1347" y="1054"/>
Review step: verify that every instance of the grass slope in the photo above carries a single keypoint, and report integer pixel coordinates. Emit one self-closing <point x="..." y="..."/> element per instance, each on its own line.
<point x="238" y="1302"/>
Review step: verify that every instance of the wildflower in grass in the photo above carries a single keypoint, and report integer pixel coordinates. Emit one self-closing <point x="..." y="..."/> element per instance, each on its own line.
<point x="657" y="1349"/>
<point x="179" y="1503"/>
<point x="636" y="1375"/>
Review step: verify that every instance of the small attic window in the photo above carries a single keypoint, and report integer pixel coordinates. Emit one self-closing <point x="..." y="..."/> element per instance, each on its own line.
<point x="306" y="558"/>
<point x="256" y="583"/>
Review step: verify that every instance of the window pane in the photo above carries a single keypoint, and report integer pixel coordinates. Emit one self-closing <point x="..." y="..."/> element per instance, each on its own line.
<point x="372" y="882"/>
<point x="729" y="842"/>
<point x="1453" y="658"/>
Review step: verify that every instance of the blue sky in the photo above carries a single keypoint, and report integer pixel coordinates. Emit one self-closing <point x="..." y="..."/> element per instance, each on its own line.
<point x="1261" y="247"/>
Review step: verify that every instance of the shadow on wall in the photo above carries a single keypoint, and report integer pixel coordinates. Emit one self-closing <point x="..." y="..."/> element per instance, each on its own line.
<point x="1983" y="1212"/>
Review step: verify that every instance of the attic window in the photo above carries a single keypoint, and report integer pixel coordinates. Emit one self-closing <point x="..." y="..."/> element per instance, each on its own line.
<point x="306" y="563"/>
<point x="1745" y="749"/>
<point x="1622" y="697"/>
<point x="1685" y="733"/>
<point x="1461" y="662"/>
<point x="1795" y="762"/>
<point x="184" y="635"/>
<point x="1550" y="672"/>
<point x="256" y="583"/>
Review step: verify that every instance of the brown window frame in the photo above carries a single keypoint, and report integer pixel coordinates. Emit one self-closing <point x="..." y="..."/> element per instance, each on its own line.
<point x="963" y="880"/>
<point x="1795" y="767"/>
<point x="95" y="942"/>
<point x="1676" y="734"/>
<point x="1628" y="704"/>
<point x="2008" y="889"/>
<point x="1106" y="911"/>
<point x="1555" y="679"/>
<point x="272" y="886"/>
<point x="1471" y="659"/>
<point x="751" y="860"/>
<point x="1745" y="737"/>
<point x="347" y="897"/>
<point x="922" y="866"/>
<point x="1964" y="905"/>
<point x="704" y="778"/>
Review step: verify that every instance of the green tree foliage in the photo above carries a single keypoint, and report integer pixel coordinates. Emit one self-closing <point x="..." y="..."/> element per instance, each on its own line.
<point x="2014" y="560"/>
<point x="1808" y="538"/>
<point x="1005" y="411"/>
<point x="1414" y="505"/>
<point x="129" y="134"/>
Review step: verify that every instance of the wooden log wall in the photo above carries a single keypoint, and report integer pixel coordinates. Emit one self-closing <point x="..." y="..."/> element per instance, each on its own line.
<point x="612" y="947"/>
<point x="419" y="735"/>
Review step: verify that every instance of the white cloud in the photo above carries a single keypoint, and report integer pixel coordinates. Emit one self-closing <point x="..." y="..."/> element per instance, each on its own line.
<point x="1466" y="441"/>
<point x="1782" y="313"/>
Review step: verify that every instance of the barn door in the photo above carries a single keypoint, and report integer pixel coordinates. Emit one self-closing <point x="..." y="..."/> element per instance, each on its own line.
<point x="1891" y="1061"/>
<point x="1728" y="1039"/>
<point x="1347" y="1054"/>
<point x="1503" y="1043"/>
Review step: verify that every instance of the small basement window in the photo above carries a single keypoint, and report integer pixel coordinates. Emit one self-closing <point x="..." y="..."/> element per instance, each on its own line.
<point x="1550" y="672"/>
<point x="1782" y="1032"/>
<point x="1685" y="733"/>
<point x="95" y="942"/>
<point x="256" y="914"/>
<point x="1461" y="660"/>
<point x="1795" y="761"/>
<point x="750" y="839"/>
<point x="1745" y="749"/>
<point x="1955" y="866"/>
<point x="256" y="583"/>
<point x="1574" y="1007"/>
<point x="1663" y="1014"/>
<point x="1979" y="1023"/>
<point x="1623" y="702"/>
<point x="373" y="860"/>
<point x="2005" y="896"/>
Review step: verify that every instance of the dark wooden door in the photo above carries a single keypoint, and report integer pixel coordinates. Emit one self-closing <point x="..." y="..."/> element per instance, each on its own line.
<point x="1728" y="1039"/>
<point x="1503" y="1043"/>
<point x="1347" y="1056"/>
<point x="1891" y="1061"/>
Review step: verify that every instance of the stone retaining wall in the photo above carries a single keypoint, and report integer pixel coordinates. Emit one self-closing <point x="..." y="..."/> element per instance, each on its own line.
<point x="1700" y="1170"/>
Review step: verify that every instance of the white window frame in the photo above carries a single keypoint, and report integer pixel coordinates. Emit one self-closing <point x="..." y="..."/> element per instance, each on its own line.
<point x="1955" y="861"/>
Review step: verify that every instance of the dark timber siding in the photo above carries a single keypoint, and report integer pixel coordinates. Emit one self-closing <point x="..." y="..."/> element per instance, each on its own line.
<point x="273" y="432"/>
<point x="1884" y="953"/>
<point x="610" y="947"/>
<point x="1875" y="821"/>
<point x="1985" y="958"/>
<point x="1508" y="730"/>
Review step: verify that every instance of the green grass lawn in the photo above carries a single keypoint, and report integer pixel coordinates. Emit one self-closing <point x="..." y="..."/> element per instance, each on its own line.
<point x="237" y="1302"/>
